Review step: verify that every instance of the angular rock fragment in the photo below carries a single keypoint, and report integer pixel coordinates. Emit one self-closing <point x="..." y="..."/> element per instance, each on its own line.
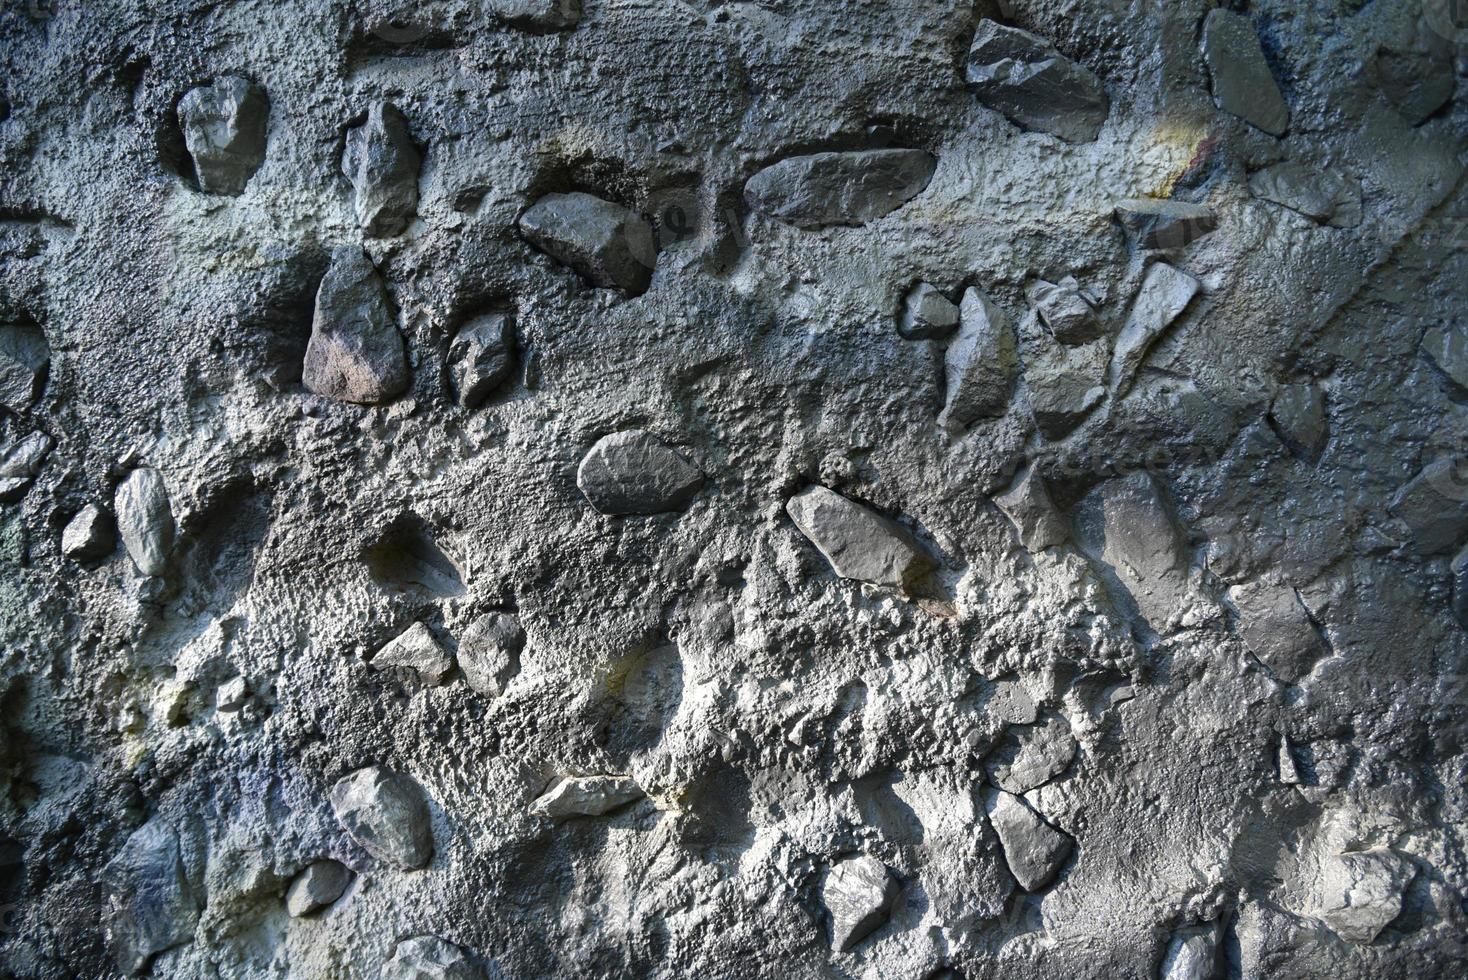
<point x="980" y="365"/>
<point x="382" y="163"/>
<point x="1192" y="954"/>
<point x="89" y="535"/>
<point x="24" y="357"/>
<point x="538" y="16"/>
<point x="585" y="796"/>
<point x="355" y="353"/>
<point x="636" y="473"/>
<point x="852" y="188"/>
<point x="1063" y="385"/>
<point x="1158" y="223"/>
<point x="858" y="893"/>
<point x="1277" y="629"/>
<point x="20" y="464"/>
<point x="1034" y="850"/>
<point x="429" y="958"/>
<point x="1459" y="570"/>
<point x="1298" y="415"/>
<point x="1036" y="87"/>
<point x="1447" y="348"/>
<point x="145" y="520"/>
<point x="1031" y="757"/>
<point x="1027" y="503"/>
<point x="481" y="358"/>
<point x="1165" y="294"/>
<point x="1418" y="78"/>
<point x="1125" y="524"/>
<point x="605" y="243"/>
<point x="1065" y="310"/>
<point x="232" y="695"/>
<point x="224" y="130"/>
<point x="1320" y="195"/>
<point x="859" y="543"/>
<point x="1361" y="893"/>
<point x="415" y="649"/>
<point x="1243" y="85"/>
<point x="387" y="814"/>
<point x="927" y="315"/>
<point x="489" y="652"/>
<point x="151" y="907"/>
<point x="1434" y="506"/>
<point x="320" y="884"/>
<point x="1289" y="769"/>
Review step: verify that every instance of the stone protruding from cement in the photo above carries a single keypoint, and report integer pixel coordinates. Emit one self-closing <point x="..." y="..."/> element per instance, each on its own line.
<point x="429" y="958"/>
<point x="1031" y="756"/>
<point x="1289" y="767"/>
<point x="1192" y="954"/>
<point x="1064" y="310"/>
<point x="980" y="365"/>
<point x="1125" y="524"/>
<point x="859" y="543"/>
<point x="145" y="520"/>
<point x="585" y="796"/>
<point x="151" y="906"/>
<point x="489" y="652"/>
<point x="1063" y="384"/>
<point x="606" y="244"/>
<point x="1298" y="414"/>
<point x="538" y="16"/>
<point x="1162" y="224"/>
<point x="382" y="163"/>
<point x="20" y="464"/>
<point x="418" y="650"/>
<point x="636" y="473"/>
<point x="1277" y="628"/>
<point x="927" y="314"/>
<point x="320" y="884"/>
<point x="1418" y="77"/>
<point x="355" y="353"/>
<point x="1243" y="85"/>
<point x="1036" y="87"/>
<point x="1034" y="850"/>
<point x="1028" y="505"/>
<point x="387" y="814"/>
<point x="481" y="358"/>
<point x="89" y="535"/>
<point x="1320" y="195"/>
<point x="1459" y="571"/>
<point x="1165" y="294"/>
<point x="1434" y="506"/>
<point x="224" y="128"/>
<point x="858" y="893"/>
<point x="1447" y="348"/>
<point x="852" y="188"/>
<point x="24" y="358"/>
<point x="1361" y="892"/>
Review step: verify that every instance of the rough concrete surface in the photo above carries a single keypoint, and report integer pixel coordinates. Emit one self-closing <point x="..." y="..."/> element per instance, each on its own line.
<point x="881" y="489"/>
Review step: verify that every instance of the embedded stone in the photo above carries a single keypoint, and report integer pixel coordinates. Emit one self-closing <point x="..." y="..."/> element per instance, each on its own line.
<point x="489" y="652"/>
<point x="151" y="906"/>
<point x="355" y="353"/>
<point x="1034" y="850"/>
<point x="1361" y="893"/>
<point x="1036" y="87"/>
<point x="980" y="365"/>
<point x="1063" y="385"/>
<point x="858" y="893"/>
<point x="89" y="535"/>
<point x="1459" y="570"/>
<point x="145" y="520"/>
<point x="1028" y="505"/>
<point x="1243" y="85"/>
<point x="1446" y="348"/>
<point x="224" y="130"/>
<point x="415" y="649"/>
<point x="1158" y="223"/>
<point x="585" y="796"/>
<point x="386" y="813"/>
<point x="232" y="695"/>
<point x="1125" y="524"/>
<point x="481" y="358"/>
<point x="20" y="464"/>
<point x="24" y="357"/>
<point x="1032" y="756"/>
<point x="320" y="884"/>
<point x="1277" y="628"/>
<point x="927" y="314"/>
<point x="1323" y="196"/>
<point x="1418" y="78"/>
<point x="1434" y="506"/>
<point x="1289" y="768"/>
<point x="604" y="243"/>
<point x="859" y="543"/>
<point x="1192" y="954"/>
<point x="852" y="188"/>
<point x="1298" y="414"/>
<point x="1064" y="310"/>
<point x="382" y="163"/>
<point x="429" y="958"/>
<point x="636" y="473"/>
<point x="1165" y="294"/>
<point x="537" y="16"/>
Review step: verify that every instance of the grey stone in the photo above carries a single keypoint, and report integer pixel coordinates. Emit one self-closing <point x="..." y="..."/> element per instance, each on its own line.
<point x="980" y="365"/>
<point x="1125" y="524"/>
<point x="1289" y="769"/>
<point x="24" y="357"/>
<point x="482" y="357"/>
<point x="1319" y="194"/>
<point x="1034" y="850"/>
<point x="585" y="796"/>
<point x="429" y="958"/>
<point x="89" y="535"/>
<point x="1243" y="85"/>
<point x="1277" y="628"/>
<point x="636" y="473"/>
<point x="1418" y="77"/>
<point x="927" y="314"/>
<point x="1032" y="756"/>
<point x="1165" y="294"/>
<point x="1447" y="348"/>
<point x="604" y="243"/>
<point x="489" y="652"/>
<point x="1064" y="310"/>
<point x="386" y="813"/>
<point x="1063" y="385"/>
<point x="859" y="543"/>
<point x="320" y="884"/>
<point x="1298" y="414"/>
<point x="151" y="906"/>
<point x="1192" y="954"/>
<point x="858" y="893"/>
<point x="232" y="695"/>
<point x="1361" y="892"/>
<point x="1036" y="87"/>
<point x="1158" y="223"/>
<point x="1459" y="571"/>
<point x="355" y="353"/>
<point x="224" y="127"/>
<point x="20" y="464"/>
<point x="145" y="520"/>
<point x="851" y="188"/>
<point x="1434" y="506"/>
<point x="538" y="16"/>
<point x="1028" y="505"/>
<point x="382" y="163"/>
<point x="415" y="649"/>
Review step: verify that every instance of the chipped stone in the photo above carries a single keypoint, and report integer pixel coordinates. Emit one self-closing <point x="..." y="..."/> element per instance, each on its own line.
<point x="415" y="649"/>
<point x="24" y="358"/>
<point x="858" y="893"/>
<point x="1289" y="769"/>
<point x="355" y="353"/>
<point x="429" y="958"/>
<point x="1298" y="414"/>
<point x="145" y="520"/>
<point x="20" y="464"/>
<point x="636" y="473"/>
<point x="1034" y="850"/>
<point x="1125" y="524"/>
<point x="538" y="16"/>
<point x="604" y="243"/>
<point x="980" y="365"/>
<point x="1243" y="85"/>
<point x="1418" y="77"/>
<point x="233" y="695"/>
<point x="1192" y="954"/>
<point x="482" y="357"/>
<point x="1447" y="348"/>
<point x="1063" y="385"/>
<point x="1027" y="504"/>
<point x="224" y="130"/>
<point x="1320" y="195"/>
<point x="1459" y="571"/>
<point x="386" y="813"/>
<point x="1434" y="506"/>
<point x="851" y="188"/>
<point x="1165" y="294"/>
<point x="1031" y="757"/>
<point x="1064" y="310"/>
<point x="1036" y="87"/>
<point x="585" y="796"/>
<point x="1157" y="223"/>
<point x="151" y="906"/>
<point x="489" y="652"/>
<point x="320" y="884"/>
<point x="1361" y="893"/>
<point x="859" y="543"/>
<point x="927" y="315"/>
<point x="1277" y="628"/>
<point x="382" y="163"/>
<point x="89" y="535"/>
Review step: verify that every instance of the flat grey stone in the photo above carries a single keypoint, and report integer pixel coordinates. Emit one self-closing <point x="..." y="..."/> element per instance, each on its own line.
<point x="24" y="357"/>
<point x="1036" y="87"/>
<point x="1164" y="295"/>
<point x="980" y="365"/>
<point x="636" y="473"/>
<point x="89" y="535"/>
<point x="320" y="884"/>
<point x="852" y="188"/>
<point x="1064" y="310"/>
<point x="1034" y="850"/>
<point x="604" y="243"/>
<point x="1125" y="524"/>
<point x="20" y="464"/>
<point x="585" y="796"/>
<point x="1361" y="893"/>
<point x="224" y="128"/>
<point x="429" y="958"/>
<point x="1031" y="756"/>
<point x="415" y="649"/>
<point x="232" y="695"/>
<point x="386" y="813"/>
<point x="1320" y="195"/>
<point x="538" y="16"/>
<point x="382" y="162"/>
<point x="1243" y="85"/>
<point x="858" y="893"/>
<point x="1434" y="506"/>
<point x="355" y="353"/>
<point x="1419" y="78"/>
<point x="1277" y="628"/>
<point x="1298" y="414"/>
<point x="145" y="520"/>
<point x="859" y="543"/>
<point x="151" y="906"/>
<point x="481" y="358"/>
<point x="1063" y="385"/>
<point x="1158" y="223"/>
<point x="1028" y="505"/>
<point x="1192" y="954"/>
<point x="1447" y="348"/>
<point x="927" y="314"/>
<point x="489" y="652"/>
<point x="1459" y="571"/>
<point x="1289" y="768"/>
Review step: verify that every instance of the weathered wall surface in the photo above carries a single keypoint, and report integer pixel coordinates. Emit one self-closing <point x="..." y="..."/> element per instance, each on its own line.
<point x="796" y="488"/>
